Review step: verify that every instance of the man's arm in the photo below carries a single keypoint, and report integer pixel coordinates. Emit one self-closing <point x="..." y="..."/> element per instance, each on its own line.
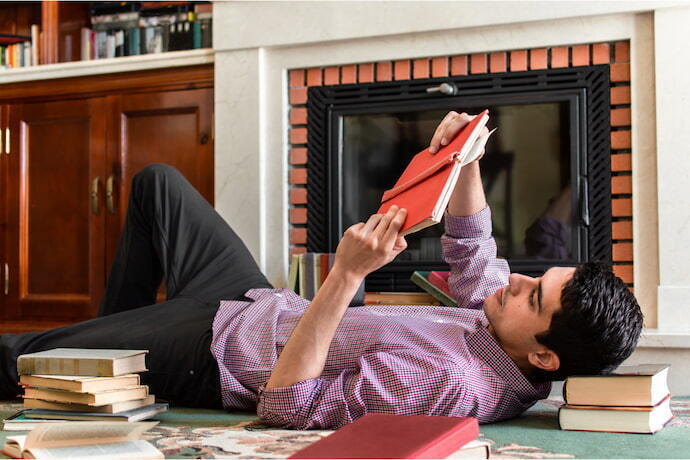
<point x="468" y="196"/>
<point x="363" y="249"/>
<point x="468" y="246"/>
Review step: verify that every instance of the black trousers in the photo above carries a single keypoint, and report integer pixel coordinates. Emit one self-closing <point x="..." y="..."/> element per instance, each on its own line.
<point x="170" y="233"/>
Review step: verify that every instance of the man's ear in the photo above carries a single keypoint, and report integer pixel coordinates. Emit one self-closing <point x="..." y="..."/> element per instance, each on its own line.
<point x="545" y="359"/>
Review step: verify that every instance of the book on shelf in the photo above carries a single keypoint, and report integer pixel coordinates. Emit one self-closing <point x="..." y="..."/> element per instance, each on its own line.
<point x="308" y="271"/>
<point x="421" y="279"/>
<point x="103" y="440"/>
<point x="83" y="362"/>
<point x="427" y="183"/>
<point x="91" y="399"/>
<point x="79" y="383"/>
<point x="641" y="385"/>
<point x="18" y="50"/>
<point x="395" y="436"/>
<point x="112" y="408"/>
<point x="133" y="415"/>
<point x="620" y="419"/>
<point x="134" y="28"/>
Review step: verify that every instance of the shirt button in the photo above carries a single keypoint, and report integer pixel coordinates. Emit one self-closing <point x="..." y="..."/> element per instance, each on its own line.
<point x="278" y="295"/>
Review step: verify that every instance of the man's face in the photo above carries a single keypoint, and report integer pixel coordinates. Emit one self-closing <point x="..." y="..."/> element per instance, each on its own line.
<point x="524" y="308"/>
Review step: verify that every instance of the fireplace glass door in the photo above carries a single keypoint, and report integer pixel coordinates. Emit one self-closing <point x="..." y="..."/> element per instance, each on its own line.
<point x="527" y="173"/>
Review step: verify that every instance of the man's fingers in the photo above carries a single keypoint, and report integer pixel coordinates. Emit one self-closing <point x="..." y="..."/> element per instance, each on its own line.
<point x="383" y="224"/>
<point x="371" y="223"/>
<point x="396" y="223"/>
<point x="436" y="138"/>
<point x="449" y="127"/>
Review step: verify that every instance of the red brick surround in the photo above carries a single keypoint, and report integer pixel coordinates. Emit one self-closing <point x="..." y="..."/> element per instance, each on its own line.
<point x="617" y="55"/>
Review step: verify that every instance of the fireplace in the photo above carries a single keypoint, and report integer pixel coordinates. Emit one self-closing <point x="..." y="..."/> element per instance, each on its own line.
<point x="584" y="88"/>
<point x="546" y="172"/>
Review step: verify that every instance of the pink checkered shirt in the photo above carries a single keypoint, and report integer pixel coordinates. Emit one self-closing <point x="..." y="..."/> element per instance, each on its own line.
<point x="402" y="359"/>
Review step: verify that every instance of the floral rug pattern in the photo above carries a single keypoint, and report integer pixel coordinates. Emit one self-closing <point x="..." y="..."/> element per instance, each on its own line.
<point x="251" y="440"/>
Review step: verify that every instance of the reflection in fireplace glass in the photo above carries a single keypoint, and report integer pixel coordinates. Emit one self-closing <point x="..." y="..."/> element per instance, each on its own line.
<point x="526" y="173"/>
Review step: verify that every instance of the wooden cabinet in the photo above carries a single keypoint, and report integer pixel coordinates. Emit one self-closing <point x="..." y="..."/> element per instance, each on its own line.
<point x="67" y="179"/>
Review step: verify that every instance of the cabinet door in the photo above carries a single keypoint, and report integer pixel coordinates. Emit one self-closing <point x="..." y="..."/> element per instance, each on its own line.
<point x="55" y="229"/>
<point x="172" y="127"/>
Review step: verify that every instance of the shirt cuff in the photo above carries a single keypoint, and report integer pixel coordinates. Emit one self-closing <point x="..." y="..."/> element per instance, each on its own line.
<point x="287" y="406"/>
<point x="475" y="226"/>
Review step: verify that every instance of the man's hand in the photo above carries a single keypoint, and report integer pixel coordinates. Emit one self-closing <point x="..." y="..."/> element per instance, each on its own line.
<point x="449" y="127"/>
<point x="366" y="247"/>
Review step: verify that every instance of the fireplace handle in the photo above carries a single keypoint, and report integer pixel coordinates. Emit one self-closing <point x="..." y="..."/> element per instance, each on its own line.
<point x="584" y="202"/>
<point x="448" y="89"/>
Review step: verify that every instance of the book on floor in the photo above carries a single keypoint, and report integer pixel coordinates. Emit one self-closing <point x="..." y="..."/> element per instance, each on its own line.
<point x="400" y="298"/>
<point x="426" y="184"/>
<point x="133" y="415"/>
<point x="420" y="278"/>
<point x="92" y="399"/>
<point x="82" y="361"/>
<point x="440" y="280"/>
<point x="395" y="436"/>
<point x="79" y="383"/>
<point x="623" y="419"/>
<point x="641" y="385"/>
<point x="308" y="272"/>
<point x="84" y="440"/>
<point x="474" y="449"/>
<point x="20" y="422"/>
<point x="113" y="408"/>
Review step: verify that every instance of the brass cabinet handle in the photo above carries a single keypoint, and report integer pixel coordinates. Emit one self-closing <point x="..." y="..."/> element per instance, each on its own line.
<point x="109" y="199"/>
<point x="95" y="184"/>
<point x="7" y="278"/>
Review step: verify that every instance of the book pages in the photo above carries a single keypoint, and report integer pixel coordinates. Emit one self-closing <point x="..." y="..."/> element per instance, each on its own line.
<point x="85" y="433"/>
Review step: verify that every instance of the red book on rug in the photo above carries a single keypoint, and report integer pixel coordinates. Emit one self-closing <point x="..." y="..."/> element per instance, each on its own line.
<point x="395" y="436"/>
<point x="425" y="187"/>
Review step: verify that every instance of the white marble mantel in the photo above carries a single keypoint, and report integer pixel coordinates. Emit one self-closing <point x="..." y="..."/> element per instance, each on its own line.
<point x="257" y="43"/>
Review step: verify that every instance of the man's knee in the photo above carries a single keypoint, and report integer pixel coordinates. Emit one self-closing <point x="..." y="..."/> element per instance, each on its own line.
<point x="154" y="173"/>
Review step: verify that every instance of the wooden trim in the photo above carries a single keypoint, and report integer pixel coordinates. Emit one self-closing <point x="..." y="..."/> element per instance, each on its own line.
<point x="49" y="25"/>
<point x="99" y="85"/>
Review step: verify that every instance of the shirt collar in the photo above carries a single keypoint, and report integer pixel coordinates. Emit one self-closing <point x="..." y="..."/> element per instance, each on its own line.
<point x="484" y="345"/>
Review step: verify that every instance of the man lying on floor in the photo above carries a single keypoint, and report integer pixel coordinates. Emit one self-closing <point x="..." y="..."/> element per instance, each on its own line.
<point x="226" y="339"/>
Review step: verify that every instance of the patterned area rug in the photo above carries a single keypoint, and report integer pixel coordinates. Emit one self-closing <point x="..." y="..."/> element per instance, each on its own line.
<point x="190" y="433"/>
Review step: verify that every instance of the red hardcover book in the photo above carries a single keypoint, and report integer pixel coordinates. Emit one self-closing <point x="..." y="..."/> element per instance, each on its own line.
<point x="425" y="187"/>
<point x="440" y="280"/>
<point x="395" y="436"/>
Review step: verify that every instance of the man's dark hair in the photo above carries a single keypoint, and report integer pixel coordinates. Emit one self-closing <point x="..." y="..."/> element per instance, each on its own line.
<point x="597" y="327"/>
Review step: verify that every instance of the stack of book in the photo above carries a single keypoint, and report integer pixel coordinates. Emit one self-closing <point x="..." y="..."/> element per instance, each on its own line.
<point x="85" y="384"/>
<point x="134" y="28"/>
<point x="634" y="399"/>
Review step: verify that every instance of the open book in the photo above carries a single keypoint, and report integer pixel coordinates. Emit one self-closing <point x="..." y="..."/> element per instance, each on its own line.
<point x="426" y="185"/>
<point x="84" y="440"/>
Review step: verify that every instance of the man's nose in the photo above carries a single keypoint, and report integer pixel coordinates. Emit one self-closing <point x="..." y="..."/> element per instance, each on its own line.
<point x="518" y="282"/>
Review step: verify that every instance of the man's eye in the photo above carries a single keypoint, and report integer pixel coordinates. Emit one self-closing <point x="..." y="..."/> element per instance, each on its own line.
<point x="531" y="298"/>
